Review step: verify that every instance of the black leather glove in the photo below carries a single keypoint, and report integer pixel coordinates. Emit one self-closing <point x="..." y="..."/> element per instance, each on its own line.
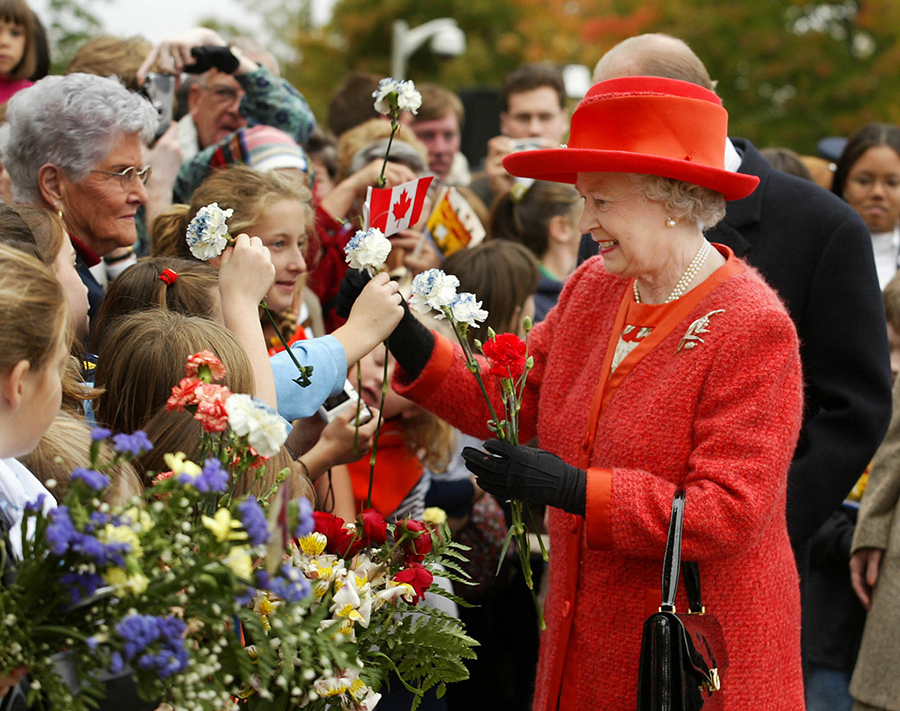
<point x="411" y="343"/>
<point x="512" y="471"/>
<point x="212" y="56"/>
<point x="351" y="287"/>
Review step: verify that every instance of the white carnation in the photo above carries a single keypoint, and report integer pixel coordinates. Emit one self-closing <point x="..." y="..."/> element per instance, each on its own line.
<point x="393" y="96"/>
<point x="465" y="309"/>
<point x="207" y="234"/>
<point x="263" y="428"/>
<point x="367" y="249"/>
<point x="432" y="289"/>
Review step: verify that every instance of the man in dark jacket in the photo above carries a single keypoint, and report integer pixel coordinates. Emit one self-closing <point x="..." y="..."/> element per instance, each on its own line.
<point x="815" y="251"/>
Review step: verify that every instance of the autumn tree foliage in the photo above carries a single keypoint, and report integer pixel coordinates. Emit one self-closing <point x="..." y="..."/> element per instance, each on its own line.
<point x="790" y="72"/>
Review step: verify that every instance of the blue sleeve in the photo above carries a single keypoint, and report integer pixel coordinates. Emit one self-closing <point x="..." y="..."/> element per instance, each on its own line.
<point x="329" y="361"/>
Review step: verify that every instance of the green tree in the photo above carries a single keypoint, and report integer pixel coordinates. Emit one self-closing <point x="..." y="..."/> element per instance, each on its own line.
<point x="69" y="24"/>
<point x="789" y="71"/>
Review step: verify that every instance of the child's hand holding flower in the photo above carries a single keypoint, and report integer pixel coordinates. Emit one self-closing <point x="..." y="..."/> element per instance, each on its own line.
<point x="246" y="272"/>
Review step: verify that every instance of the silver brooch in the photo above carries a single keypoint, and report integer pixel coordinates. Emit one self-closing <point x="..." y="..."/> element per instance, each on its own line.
<point x="692" y="336"/>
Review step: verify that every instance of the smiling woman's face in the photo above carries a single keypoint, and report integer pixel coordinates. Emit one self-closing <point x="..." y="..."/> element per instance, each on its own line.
<point x="98" y="209"/>
<point x="873" y="188"/>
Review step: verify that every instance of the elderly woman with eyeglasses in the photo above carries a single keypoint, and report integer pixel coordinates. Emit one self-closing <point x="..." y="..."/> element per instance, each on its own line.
<point x="73" y="144"/>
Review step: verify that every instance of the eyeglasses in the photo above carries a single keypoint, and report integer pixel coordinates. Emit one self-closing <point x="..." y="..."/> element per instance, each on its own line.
<point x="128" y="176"/>
<point x="224" y="94"/>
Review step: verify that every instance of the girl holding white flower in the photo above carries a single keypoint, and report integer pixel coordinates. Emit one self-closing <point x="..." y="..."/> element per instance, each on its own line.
<point x="276" y="207"/>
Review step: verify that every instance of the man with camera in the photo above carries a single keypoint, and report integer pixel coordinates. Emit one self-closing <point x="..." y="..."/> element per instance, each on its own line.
<point x="532" y="115"/>
<point x="231" y="91"/>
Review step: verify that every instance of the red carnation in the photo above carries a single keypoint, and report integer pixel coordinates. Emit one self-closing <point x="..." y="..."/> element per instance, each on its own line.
<point x="211" y="407"/>
<point x="418" y="577"/>
<point x="205" y="366"/>
<point x="183" y="395"/>
<point x="506" y="354"/>
<point x="418" y="543"/>
<point x="373" y="526"/>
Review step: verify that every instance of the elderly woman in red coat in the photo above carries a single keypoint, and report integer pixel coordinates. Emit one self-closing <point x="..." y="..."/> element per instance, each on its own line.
<point x="666" y="364"/>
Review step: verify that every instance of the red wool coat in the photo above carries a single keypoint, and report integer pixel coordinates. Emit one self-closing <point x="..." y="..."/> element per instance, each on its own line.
<point x="721" y="419"/>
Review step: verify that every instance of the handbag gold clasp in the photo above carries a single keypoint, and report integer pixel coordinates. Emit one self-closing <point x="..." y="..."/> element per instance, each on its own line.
<point x="712" y="682"/>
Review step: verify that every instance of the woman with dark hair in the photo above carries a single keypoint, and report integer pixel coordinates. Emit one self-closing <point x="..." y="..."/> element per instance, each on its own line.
<point x="867" y="176"/>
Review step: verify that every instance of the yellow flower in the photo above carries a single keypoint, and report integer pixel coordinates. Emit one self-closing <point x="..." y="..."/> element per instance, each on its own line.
<point x="224" y="527"/>
<point x="434" y="515"/>
<point x="240" y="562"/>
<point x="313" y="544"/>
<point x="140" y="516"/>
<point x="122" y="582"/>
<point x="123" y="534"/>
<point x="179" y="465"/>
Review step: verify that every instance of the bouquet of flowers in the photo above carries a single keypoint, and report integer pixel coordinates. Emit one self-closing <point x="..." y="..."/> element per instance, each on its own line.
<point x="205" y="597"/>
<point x="370" y="577"/>
<point x="508" y="361"/>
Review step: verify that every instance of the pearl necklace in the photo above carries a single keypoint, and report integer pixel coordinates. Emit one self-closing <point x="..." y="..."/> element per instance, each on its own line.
<point x="686" y="278"/>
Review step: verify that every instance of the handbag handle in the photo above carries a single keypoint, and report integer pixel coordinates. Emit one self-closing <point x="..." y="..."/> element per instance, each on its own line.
<point x="672" y="564"/>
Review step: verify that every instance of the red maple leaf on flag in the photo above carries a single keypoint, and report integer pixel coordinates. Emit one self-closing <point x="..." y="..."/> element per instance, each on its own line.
<point x="401" y="207"/>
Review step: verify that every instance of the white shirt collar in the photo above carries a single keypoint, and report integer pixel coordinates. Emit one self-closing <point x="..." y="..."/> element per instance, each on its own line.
<point x="733" y="159"/>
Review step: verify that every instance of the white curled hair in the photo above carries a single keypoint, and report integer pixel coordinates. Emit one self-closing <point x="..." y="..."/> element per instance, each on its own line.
<point x="684" y="200"/>
<point x="72" y="122"/>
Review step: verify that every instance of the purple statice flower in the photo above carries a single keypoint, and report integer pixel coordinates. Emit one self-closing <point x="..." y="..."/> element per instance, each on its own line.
<point x="154" y="643"/>
<point x="246" y="597"/>
<point x="213" y="477"/>
<point x="94" y="479"/>
<point x="100" y="433"/>
<point x="81" y="585"/>
<point x="254" y="521"/>
<point x="61" y="533"/>
<point x="134" y="444"/>
<point x="99" y="552"/>
<point x="36" y="505"/>
<point x="291" y="585"/>
<point x="306" y="524"/>
<point x="116" y="663"/>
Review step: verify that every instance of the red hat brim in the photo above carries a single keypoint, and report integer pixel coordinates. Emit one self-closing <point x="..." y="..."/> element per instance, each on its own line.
<point x="562" y="165"/>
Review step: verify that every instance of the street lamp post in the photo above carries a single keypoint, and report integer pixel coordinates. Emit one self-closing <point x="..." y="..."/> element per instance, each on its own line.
<point x="447" y="39"/>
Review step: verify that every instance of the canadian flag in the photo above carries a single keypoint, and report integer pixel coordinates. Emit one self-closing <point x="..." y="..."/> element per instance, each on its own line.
<point x="395" y="209"/>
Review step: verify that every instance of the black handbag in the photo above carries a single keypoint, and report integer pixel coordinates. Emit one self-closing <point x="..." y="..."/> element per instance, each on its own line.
<point x="683" y="655"/>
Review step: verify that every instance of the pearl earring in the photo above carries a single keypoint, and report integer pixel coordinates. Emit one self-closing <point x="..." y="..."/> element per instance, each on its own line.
<point x="670" y="222"/>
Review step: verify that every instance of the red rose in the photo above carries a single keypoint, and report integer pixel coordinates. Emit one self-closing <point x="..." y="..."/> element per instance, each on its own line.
<point x="418" y="543"/>
<point x="506" y="354"/>
<point x="418" y="577"/>
<point x="329" y="526"/>
<point x="373" y="526"/>
<point x="348" y="543"/>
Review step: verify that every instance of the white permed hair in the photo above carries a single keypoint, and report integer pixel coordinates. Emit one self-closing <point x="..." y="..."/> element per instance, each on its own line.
<point x="72" y="122"/>
<point x="701" y="205"/>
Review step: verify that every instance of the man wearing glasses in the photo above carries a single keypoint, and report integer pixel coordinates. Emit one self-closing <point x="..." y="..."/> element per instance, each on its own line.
<point x="220" y="102"/>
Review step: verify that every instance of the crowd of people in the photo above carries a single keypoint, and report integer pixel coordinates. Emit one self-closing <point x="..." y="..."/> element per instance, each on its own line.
<point x="709" y="317"/>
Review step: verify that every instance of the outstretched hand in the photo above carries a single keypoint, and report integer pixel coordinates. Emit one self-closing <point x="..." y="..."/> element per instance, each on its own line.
<point x="532" y="475"/>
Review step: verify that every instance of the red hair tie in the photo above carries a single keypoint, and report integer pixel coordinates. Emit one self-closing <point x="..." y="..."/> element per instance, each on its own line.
<point x="168" y="276"/>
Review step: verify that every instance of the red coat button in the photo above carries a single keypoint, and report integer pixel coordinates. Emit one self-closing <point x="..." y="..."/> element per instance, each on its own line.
<point x="566" y="608"/>
<point x="573" y="523"/>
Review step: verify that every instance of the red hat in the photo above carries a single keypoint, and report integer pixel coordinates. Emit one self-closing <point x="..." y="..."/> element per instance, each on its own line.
<point x="645" y="125"/>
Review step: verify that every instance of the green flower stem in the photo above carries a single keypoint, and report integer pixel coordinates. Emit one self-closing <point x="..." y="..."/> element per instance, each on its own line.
<point x="358" y="407"/>
<point x="305" y="371"/>
<point x="384" y="387"/>
<point x="474" y="367"/>
<point x="394" y="126"/>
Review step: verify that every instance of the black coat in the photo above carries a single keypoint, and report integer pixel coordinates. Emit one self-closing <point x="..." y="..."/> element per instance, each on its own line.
<point x="815" y="251"/>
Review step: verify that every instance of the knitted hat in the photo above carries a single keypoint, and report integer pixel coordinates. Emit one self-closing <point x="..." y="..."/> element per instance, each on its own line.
<point x="644" y="125"/>
<point x="262" y="148"/>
